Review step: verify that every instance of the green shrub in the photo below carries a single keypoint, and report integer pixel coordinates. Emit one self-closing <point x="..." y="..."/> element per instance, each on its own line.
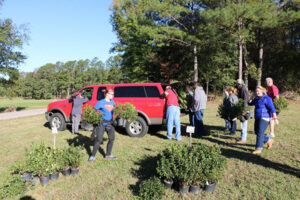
<point x="126" y="111"/>
<point x="237" y="110"/>
<point x="280" y="104"/>
<point x="191" y="165"/>
<point x="151" y="189"/>
<point x="91" y="115"/>
<point x="19" y="168"/>
<point x="13" y="186"/>
<point x="75" y="156"/>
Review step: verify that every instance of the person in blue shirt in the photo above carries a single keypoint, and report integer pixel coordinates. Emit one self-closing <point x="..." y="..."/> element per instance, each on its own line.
<point x="106" y="107"/>
<point x="264" y="113"/>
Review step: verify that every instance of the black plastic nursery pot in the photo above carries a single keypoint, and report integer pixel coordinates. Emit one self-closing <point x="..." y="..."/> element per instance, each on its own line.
<point x="26" y="176"/>
<point x="74" y="171"/>
<point x="168" y="183"/>
<point x="66" y="172"/>
<point x="44" y="180"/>
<point x="184" y="189"/>
<point x="54" y="176"/>
<point x="210" y="187"/>
<point x="194" y="189"/>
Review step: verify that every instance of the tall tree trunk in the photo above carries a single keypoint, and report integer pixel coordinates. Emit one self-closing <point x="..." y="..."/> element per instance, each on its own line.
<point x="240" y="25"/>
<point x="207" y="82"/>
<point x="260" y="64"/>
<point x="246" y="69"/>
<point x="195" y="63"/>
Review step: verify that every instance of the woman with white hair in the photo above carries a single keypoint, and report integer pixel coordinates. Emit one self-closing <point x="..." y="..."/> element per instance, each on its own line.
<point x="264" y="113"/>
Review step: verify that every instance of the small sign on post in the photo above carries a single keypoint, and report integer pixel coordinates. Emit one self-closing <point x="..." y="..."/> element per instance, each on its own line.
<point x="54" y="132"/>
<point x="190" y="130"/>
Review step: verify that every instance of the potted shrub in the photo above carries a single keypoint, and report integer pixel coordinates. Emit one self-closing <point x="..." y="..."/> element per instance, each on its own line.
<point x="164" y="169"/>
<point x="280" y="104"/>
<point x="75" y="157"/>
<point x="213" y="166"/>
<point x="63" y="160"/>
<point x="91" y="116"/>
<point x="125" y="112"/>
<point x="40" y="159"/>
<point x="21" y="169"/>
<point x="151" y="189"/>
<point x="55" y="164"/>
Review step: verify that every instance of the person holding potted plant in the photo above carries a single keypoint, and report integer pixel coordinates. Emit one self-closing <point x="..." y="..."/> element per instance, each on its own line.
<point x="264" y="113"/>
<point x="106" y="107"/>
<point x="229" y="103"/>
<point x="272" y="92"/>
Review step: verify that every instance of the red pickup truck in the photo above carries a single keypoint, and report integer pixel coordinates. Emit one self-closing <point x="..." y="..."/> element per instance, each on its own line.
<point x="146" y="97"/>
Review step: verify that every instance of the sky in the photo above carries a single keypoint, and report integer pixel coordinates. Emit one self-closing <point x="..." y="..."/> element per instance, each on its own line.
<point x="62" y="30"/>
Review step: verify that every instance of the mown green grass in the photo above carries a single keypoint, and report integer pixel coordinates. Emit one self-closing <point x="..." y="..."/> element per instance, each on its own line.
<point x="272" y="175"/>
<point x="22" y="104"/>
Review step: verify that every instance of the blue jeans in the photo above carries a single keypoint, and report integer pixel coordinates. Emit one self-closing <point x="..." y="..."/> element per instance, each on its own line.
<point x="260" y="126"/>
<point x="173" y="117"/>
<point x="199" y="127"/>
<point x="244" y="126"/>
<point x="233" y="127"/>
<point x="192" y="118"/>
<point x="227" y="125"/>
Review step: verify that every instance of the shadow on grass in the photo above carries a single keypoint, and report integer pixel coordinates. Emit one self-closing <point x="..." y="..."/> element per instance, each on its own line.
<point x="86" y="142"/>
<point x="255" y="159"/>
<point x="2" y="109"/>
<point x="147" y="168"/>
<point x="27" y="198"/>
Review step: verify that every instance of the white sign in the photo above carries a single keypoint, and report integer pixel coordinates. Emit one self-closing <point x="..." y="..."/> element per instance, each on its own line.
<point x="54" y="130"/>
<point x="190" y="129"/>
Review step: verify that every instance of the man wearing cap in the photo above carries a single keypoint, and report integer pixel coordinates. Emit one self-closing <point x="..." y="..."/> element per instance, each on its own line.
<point x="272" y="92"/>
<point x="243" y="94"/>
<point x="77" y="111"/>
<point x="198" y="107"/>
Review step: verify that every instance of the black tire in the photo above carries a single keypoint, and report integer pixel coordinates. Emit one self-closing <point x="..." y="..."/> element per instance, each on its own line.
<point x="58" y="120"/>
<point x="137" y="128"/>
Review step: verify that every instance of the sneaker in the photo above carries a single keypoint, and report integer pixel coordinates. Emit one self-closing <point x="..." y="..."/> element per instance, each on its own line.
<point x="178" y="139"/>
<point x="270" y="143"/>
<point x="257" y="152"/>
<point x="111" y="157"/>
<point x="271" y="135"/>
<point x="241" y="141"/>
<point x="91" y="158"/>
<point x="231" y="133"/>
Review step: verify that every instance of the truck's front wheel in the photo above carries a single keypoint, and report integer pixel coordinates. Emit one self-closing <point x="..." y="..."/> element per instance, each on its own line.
<point x="58" y="121"/>
<point x="137" y="128"/>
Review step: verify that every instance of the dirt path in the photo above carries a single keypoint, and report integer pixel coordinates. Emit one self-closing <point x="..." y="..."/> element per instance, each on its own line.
<point x="24" y="113"/>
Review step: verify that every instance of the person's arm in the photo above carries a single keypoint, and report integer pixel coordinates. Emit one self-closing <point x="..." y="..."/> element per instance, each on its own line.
<point x="276" y="92"/>
<point x="98" y="105"/>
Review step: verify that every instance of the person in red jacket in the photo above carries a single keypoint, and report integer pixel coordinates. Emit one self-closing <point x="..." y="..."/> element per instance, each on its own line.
<point x="272" y="92"/>
<point x="173" y="113"/>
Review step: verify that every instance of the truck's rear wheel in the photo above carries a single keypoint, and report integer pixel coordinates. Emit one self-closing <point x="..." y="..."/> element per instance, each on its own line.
<point x="58" y="121"/>
<point x="137" y="128"/>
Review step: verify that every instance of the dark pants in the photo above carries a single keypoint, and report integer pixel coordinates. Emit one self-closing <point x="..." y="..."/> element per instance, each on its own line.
<point x="199" y="127"/>
<point x="111" y="137"/>
<point x="192" y="118"/>
<point x="233" y="127"/>
<point x="260" y="126"/>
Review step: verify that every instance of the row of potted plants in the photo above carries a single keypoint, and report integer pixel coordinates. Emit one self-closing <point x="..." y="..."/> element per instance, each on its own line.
<point x="191" y="167"/>
<point x="45" y="163"/>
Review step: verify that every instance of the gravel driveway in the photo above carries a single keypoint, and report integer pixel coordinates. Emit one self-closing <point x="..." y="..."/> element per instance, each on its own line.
<point x="25" y="113"/>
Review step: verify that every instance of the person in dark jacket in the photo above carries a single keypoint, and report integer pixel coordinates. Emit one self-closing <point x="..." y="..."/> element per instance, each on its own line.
<point x="264" y="113"/>
<point x="229" y="103"/>
<point x="243" y="94"/>
<point x="189" y="102"/>
<point x="78" y="101"/>
<point x="199" y="105"/>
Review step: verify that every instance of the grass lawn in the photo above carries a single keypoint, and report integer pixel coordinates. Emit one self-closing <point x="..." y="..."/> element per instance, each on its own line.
<point x="23" y="104"/>
<point x="275" y="174"/>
